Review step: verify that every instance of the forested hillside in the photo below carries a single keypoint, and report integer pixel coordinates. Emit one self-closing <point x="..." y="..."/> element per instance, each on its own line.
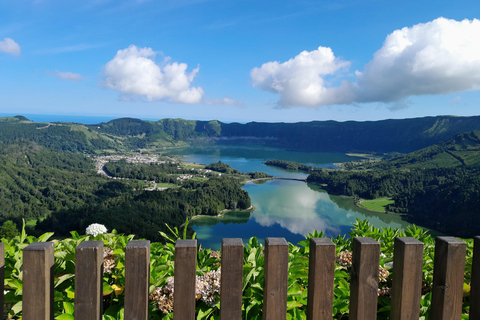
<point x="405" y="135"/>
<point x="63" y="192"/>
<point x="146" y="213"/>
<point x="438" y="187"/>
<point x="45" y="171"/>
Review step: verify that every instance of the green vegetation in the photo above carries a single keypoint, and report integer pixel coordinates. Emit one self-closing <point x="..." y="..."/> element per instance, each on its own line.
<point x="437" y="187"/>
<point x="222" y="167"/>
<point x="128" y="134"/>
<point x="60" y="191"/>
<point x="208" y="262"/>
<point x="258" y="175"/>
<point x="290" y="165"/>
<point x="145" y="213"/>
<point x="379" y="204"/>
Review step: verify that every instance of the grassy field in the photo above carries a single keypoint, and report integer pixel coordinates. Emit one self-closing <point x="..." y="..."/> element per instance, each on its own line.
<point x="378" y="204"/>
<point x="165" y="185"/>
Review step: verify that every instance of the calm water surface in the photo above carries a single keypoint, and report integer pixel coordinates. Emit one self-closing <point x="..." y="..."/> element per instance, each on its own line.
<point x="289" y="209"/>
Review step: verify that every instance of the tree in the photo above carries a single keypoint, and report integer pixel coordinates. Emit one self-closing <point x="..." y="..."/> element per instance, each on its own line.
<point x="9" y="230"/>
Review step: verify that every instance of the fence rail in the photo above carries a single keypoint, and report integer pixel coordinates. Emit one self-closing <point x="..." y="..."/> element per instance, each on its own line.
<point x="447" y="290"/>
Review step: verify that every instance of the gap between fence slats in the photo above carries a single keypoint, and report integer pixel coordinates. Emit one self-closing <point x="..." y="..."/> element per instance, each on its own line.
<point x="475" y="285"/>
<point x="2" y="276"/>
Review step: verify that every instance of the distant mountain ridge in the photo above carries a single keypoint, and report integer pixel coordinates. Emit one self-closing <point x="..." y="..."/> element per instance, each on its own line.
<point x="404" y="135"/>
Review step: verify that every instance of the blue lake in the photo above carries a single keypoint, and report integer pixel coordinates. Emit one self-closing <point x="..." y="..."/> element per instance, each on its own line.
<point x="289" y="209"/>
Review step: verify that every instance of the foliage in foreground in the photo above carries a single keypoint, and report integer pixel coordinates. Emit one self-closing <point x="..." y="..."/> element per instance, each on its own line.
<point x="208" y="264"/>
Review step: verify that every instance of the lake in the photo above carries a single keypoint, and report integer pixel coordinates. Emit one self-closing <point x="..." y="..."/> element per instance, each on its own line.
<point x="289" y="209"/>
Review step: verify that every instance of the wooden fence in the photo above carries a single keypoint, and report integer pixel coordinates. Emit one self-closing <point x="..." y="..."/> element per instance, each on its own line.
<point x="447" y="290"/>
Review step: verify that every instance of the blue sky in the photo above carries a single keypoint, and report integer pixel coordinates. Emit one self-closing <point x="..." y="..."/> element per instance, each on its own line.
<point x="240" y="61"/>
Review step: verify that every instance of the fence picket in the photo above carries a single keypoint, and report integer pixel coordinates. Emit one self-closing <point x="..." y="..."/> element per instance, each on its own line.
<point x="88" y="280"/>
<point x="321" y="274"/>
<point x="447" y="290"/>
<point x="276" y="279"/>
<point x="364" y="280"/>
<point x="231" y="279"/>
<point x="38" y="260"/>
<point x="407" y="279"/>
<point x="448" y="269"/>
<point x="185" y="277"/>
<point x="137" y="279"/>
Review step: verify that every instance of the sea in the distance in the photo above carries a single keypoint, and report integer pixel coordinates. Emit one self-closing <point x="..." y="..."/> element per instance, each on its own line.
<point x="289" y="209"/>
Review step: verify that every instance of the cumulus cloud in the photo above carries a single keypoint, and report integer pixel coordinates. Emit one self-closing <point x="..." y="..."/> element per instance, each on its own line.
<point x="10" y="46"/>
<point x="133" y="71"/>
<point x="438" y="57"/>
<point x="67" y="75"/>
<point x="301" y="80"/>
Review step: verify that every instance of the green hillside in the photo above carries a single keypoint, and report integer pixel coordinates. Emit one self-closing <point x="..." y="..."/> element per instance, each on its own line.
<point x="127" y="134"/>
<point x="437" y="187"/>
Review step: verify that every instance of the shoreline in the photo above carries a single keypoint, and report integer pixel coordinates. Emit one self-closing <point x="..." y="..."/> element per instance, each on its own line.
<point x="222" y="213"/>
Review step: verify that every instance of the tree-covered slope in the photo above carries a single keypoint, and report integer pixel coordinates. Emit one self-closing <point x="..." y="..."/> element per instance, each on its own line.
<point x="438" y="186"/>
<point x="123" y="134"/>
<point x="404" y="135"/>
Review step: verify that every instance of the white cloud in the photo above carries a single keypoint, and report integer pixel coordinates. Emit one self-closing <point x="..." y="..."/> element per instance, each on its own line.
<point x="438" y="57"/>
<point x="300" y="80"/>
<point x="224" y="101"/>
<point x="10" y="46"/>
<point x="133" y="71"/>
<point x="67" y="75"/>
<point x="455" y="100"/>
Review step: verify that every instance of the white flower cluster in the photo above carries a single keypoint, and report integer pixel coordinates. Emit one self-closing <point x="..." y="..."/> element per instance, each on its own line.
<point x="95" y="229"/>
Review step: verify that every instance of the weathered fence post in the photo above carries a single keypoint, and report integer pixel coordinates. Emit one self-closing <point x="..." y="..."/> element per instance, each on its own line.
<point x="185" y="278"/>
<point x="407" y="279"/>
<point x="88" y="280"/>
<point x="2" y="276"/>
<point x="276" y="279"/>
<point x="475" y="285"/>
<point x="231" y="279"/>
<point x="38" y="261"/>
<point x="137" y="279"/>
<point x="321" y="274"/>
<point x="448" y="270"/>
<point x="364" y="282"/>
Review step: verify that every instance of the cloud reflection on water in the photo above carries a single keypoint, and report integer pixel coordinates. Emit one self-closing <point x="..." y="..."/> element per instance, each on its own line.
<point x="295" y="207"/>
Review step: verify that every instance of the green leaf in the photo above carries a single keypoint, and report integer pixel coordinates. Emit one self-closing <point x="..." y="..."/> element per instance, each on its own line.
<point x="64" y="278"/>
<point x="17" y="307"/>
<point x="44" y="237"/>
<point x="107" y="289"/>
<point x="24" y="235"/>
<point x="69" y="308"/>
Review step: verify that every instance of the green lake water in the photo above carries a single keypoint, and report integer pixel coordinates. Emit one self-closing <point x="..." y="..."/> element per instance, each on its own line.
<point x="289" y="209"/>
